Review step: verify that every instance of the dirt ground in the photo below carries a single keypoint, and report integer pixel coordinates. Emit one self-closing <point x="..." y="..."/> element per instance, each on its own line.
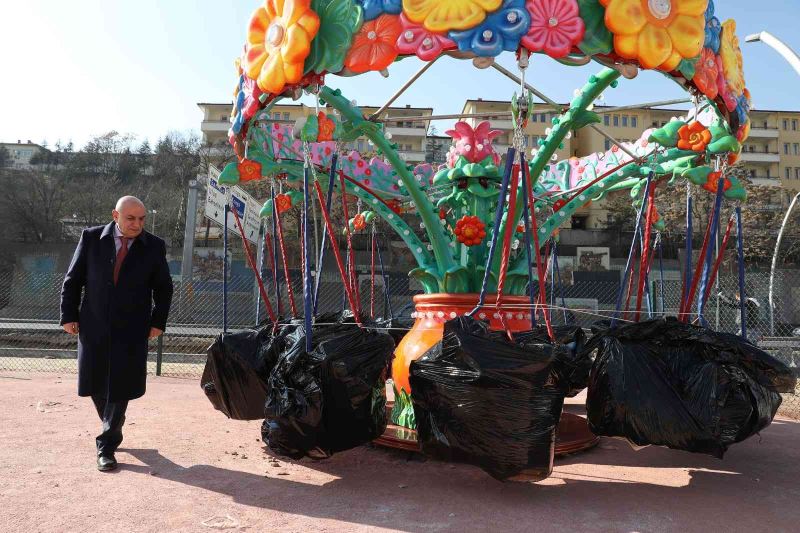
<point x="185" y="467"/>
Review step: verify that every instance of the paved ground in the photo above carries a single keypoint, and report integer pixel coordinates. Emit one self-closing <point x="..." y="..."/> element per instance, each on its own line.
<point x="184" y="464"/>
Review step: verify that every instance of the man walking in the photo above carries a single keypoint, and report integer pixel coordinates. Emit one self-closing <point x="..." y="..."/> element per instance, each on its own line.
<point x="127" y="290"/>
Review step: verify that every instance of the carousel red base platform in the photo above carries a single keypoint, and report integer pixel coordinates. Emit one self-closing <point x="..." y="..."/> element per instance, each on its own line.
<point x="573" y="436"/>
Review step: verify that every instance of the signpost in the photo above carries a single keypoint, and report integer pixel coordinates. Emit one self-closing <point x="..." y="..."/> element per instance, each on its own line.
<point x="246" y="206"/>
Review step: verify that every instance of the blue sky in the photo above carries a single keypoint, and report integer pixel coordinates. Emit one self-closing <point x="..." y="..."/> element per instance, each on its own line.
<point x="76" y="69"/>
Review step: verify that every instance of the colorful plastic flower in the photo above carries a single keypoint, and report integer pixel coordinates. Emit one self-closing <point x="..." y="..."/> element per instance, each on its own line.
<point x="502" y="30"/>
<point x="359" y="222"/>
<point x="446" y="15"/>
<point x="474" y="145"/>
<point x="706" y="71"/>
<point x="693" y="137"/>
<point x="374" y="46"/>
<point x="712" y="182"/>
<point x="249" y="170"/>
<point x="743" y="132"/>
<point x="657" y="33"/>
<point x="415" y="39"/>
<point x="742" y="109"/>
<point x="731" y="58"/>
<point x="713" y="29"/>
<point x="326" y="127"/>
<point x="556" y="26"/>
<point x="278" y="42"/>
<point x="724" y="91"/>
<point x="283" y="202"/>
<point x="374" y="8"/>
<point x="470" y="231"/>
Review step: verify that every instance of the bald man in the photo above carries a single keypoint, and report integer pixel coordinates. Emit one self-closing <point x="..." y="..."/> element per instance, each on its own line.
<point x="116" y="296"/>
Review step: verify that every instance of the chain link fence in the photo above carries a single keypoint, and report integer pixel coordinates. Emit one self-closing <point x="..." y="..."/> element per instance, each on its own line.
<point x="32" y="340"/>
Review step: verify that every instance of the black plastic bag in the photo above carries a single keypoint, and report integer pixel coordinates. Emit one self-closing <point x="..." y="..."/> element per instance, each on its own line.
<point x="483" y="400"/>
<point x="672" y="384"/>
<point x="236" y="372"/>
<point x="332" y="398"/>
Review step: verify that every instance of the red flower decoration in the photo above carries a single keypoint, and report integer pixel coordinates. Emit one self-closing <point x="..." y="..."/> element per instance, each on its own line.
<point x="394" y="205"/>
<point x="558" y="204"/>
<point x="326" y="127"/>
<point x="470" y="230"/>
<point x="442" y="214"/>
<point x="713" y="180"/>
<point x="374" y="46"/>
<point x="283" y="203"/>
<point x="706" y="73"/>
<point x="520" y="227"/>
<point x="693" y="137"/>
<point x="249" y="170"/>
<point x="359" y="222"/>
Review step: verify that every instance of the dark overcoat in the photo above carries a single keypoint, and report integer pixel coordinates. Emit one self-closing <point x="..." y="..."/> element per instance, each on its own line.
<point x="115" y="320"/>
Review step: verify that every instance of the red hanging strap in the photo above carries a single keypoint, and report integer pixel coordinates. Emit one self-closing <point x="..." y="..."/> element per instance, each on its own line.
<point x="287" y="276"/>
<point x="251" y="260"/>
<point x="719" y="259"/>
<point x="351" y="262"/>
<point x="539" y="266"/>
<point x="501" y="278"/>
<point x="336" y="253"/>
<point x="684" y="311"/>
<point x="643" y="264"/>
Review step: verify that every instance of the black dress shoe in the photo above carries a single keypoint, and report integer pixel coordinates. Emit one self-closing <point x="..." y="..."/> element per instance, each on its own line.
<point x="106" y="463"/>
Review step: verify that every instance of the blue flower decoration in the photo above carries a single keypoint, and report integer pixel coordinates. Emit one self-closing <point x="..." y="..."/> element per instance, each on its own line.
<point x="713" y="29"/>
<point x="374" y="8"/>
<point x="238" y="121"/>
<point x="742" y="109"/>
<point x="502" y="30"/>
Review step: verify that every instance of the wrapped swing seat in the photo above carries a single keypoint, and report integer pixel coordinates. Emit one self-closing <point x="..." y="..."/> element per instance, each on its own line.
<point x="668" y="383"/>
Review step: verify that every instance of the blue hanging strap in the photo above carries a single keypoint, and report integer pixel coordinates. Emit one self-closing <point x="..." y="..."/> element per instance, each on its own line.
<point x="275" y="262"/>
<point x="225" y="269"/>
<point x="740" y="253"/>
<point x="528" y="243"/>
<point x="328" y="199"/>
<point x="498" y="217"/>
<point x="709" y="256"/>
<point x="624" y="283"/>
<point x="307" y="282"/>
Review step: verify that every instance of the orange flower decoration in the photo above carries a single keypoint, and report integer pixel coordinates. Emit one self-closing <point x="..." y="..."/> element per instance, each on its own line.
<point x="278" y="42"/>
<point x="706" y="72"/>
<point x="359" y="222"/>
<point x="326" y="127"/>
<point x="693" y="137"/>
<point x="249" y="170"/>
<point x="375" y="44"/>
<point x="470" y="230"/>
<point x="712" y="181"/>
<point x="283" y="203"/>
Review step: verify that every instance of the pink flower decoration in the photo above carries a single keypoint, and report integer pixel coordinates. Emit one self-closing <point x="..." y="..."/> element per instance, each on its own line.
<point x="475" y="145"/>
<point x="725" y="92"/>
<point x="251" y="102"/>
<point x="414" y="39"/>
<point x="556" y="26"/>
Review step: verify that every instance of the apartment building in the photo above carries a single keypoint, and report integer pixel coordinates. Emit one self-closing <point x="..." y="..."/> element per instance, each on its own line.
<point x="20" y="153"/>
<point x="402" y="125"/>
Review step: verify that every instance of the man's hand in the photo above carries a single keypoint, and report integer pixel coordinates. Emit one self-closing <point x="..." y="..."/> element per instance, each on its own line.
<point x="71" y="327"/>
<point x="155" y="332"/>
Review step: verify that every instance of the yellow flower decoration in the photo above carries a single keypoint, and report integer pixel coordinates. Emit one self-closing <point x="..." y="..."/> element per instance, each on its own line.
<point x="446" y="15"/>
<point x="657" y="33"/>
<point x="278" y="42"/>
<point x="731" y="57"/>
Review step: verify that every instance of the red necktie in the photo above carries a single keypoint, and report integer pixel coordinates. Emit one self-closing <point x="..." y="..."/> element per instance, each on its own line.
<point x="123" y="251"/>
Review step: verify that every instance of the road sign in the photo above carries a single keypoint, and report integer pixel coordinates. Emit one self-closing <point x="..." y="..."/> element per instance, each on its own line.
<point x="216" y="196"/>
<point x="246" y="207"/>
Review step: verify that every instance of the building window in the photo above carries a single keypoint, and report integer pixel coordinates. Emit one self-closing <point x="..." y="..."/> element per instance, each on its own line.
<point x="634" y="122"/>
<point x="785" y="148"/>
<point x="360" y="145"/>
<point x="796" y="148"/>
<point x="788" y="172"/>
<point x="276" y="116"/>
<point x="286" y="116"/>
<point x="663" y="123"/>
<point x="655" y="123"/>
<point x="794" y="124"/>
<point x="786" y="123"/>
<point x="579" y="222"/>
<point x="605" y="120"/>
<point x="624" y="121"/>
<point x="616" y="120"/>
<point x="608" y="144"/>
<point x="542" y="117"/>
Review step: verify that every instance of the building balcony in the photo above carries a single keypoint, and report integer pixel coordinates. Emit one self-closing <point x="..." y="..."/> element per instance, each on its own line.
<point x="765" y="181"/>
<point x="764" y="133"/>
<point x="407" y="132"/>
<point x="215" y="125"/>
<point x="761" y="157"/>
<point x="412" y="156"/>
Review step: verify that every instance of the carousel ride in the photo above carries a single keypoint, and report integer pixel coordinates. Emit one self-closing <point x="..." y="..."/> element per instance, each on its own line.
<point x="489" y="220"/>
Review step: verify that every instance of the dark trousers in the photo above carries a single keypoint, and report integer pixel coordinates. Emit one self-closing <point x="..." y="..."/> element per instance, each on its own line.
<point x="112" y="414"/>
